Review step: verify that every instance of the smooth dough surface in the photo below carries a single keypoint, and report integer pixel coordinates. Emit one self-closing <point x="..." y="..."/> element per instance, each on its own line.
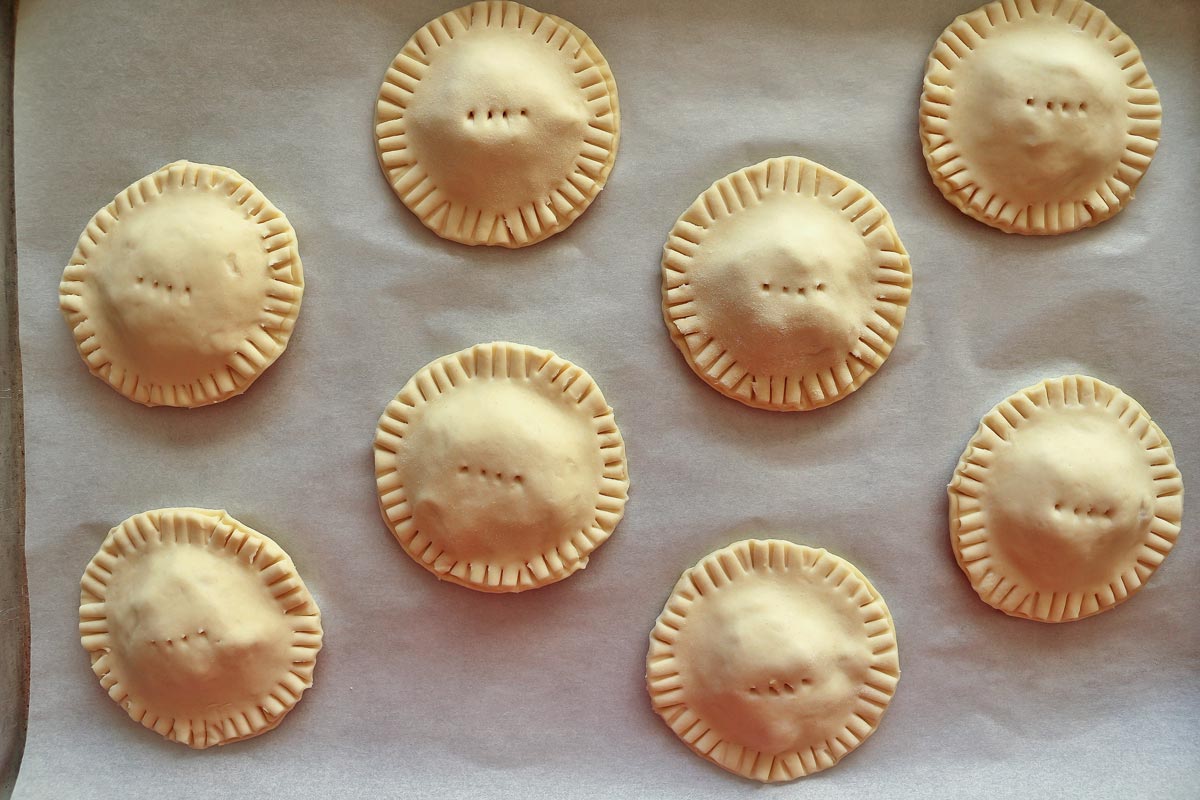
<point x="184" y="288"/>
<point x="1038" y="116"/>
<point x="497" y="124"/>
<point x="1065" y="502"/>
<point x="500" y="467"/>
<point x="199" y="627"/>
<point x="772" y="659"/>
<point x="785" y="285"/>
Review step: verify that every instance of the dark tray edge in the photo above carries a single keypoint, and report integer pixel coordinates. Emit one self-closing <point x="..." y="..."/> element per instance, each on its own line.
<point x="14" y="595"/>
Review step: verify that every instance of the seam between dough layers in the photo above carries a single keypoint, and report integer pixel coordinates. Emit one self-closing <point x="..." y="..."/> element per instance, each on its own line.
<point x="969" y="535"/>
<point x="262" y="346"/>
<point x="223" y="535"/>
<point x="746" y="188"/>
<point x="951" y="169"/>
<point x="453" y="218"/>
<point x="501" y="361"/>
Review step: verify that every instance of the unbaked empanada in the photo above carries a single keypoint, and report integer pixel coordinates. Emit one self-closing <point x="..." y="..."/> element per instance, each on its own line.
<point x="773" y="660"/>
<point x="497" y="124"/>
<point x="785" y="285"/>
<point x="1038" y="116"/>
<point x="199" y="627"/>
<point x="1065" y="502"/>
<point x="184" y="288"/>
<point x="500" y="467"/>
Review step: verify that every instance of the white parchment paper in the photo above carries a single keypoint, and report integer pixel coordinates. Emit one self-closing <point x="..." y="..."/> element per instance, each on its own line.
<point x="429" y="690"/>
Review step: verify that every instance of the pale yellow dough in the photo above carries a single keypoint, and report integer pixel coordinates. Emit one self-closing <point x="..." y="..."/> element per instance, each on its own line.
<point x="1038" y="116"/>
<point x="497" y="124"/>
<point x="199" y="627"/>
<point x="500" y="467"/>
<point x="1065" y="502"/>
<point x="785" y="285"/>
<point x="772" y="659"/>
<point x="184" y="288"/>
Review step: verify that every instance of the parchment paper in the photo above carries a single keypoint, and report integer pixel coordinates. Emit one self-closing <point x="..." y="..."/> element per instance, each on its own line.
<point x="429" y="690"/>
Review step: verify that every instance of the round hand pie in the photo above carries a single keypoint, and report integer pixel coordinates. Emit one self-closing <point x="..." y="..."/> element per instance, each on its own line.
<point x="1038" y="116"/>
<point x="199" y="627"/>
<point x="1065" y="502"/>
<point x="785" y="285"/>
<point x="773" y="660"/>
<point x="500" y="467"/>
<point x="497" y="124"/>
<point x="184" y="288"/>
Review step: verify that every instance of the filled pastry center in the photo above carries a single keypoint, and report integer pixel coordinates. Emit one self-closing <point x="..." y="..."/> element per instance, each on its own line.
<point x="1069" y="496"/>
<point x="195" y="630"/>
<point x="500" y="471"/>
<point x="1040" y="112"/>
<point x="773" y="663"/>
<point x="787" y="284"/>
<point x="498" y="120"/>
<point x="182" y="281"/>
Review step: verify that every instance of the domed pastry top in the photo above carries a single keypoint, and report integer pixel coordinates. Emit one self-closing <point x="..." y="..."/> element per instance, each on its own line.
<point x="785" y="285"/>
<point x="1038" y="116"/>
<point x="500" y="467"/>
<point x="497" y="124"/>
<point x="773" y="660"/>
<point x="1065" y="501"/>
<point x="184" y="288"/>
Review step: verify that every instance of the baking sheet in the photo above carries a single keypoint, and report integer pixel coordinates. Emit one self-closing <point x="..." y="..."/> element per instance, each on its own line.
<point x="429" y="690"/>
<point x="14" y="599"/>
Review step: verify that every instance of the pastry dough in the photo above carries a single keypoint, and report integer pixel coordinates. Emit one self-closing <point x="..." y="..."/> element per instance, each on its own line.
<point x="184" y="288"/>
<point x="773" y="660"/>
<point x="785" y="285"/>
<point x="1038" y="116"/>
<point x="1065" y="502"/>
<point x="497" y="124"/>
<point x="199" y="627"/>
<point x="500" y="467"/>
